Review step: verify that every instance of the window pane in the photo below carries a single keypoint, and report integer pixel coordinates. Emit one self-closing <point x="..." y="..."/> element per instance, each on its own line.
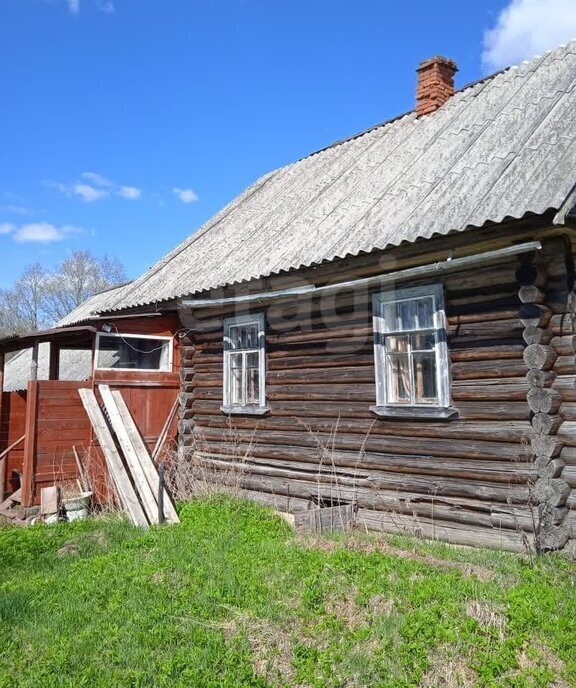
<point x="407" y="315"/>
<point x="132" y="353"/>
<point x="236" y="360"/>
<point x="390" y="317"/>
<point x="397" y="379"/>
<point x="424" y="313"/>
<point x="249" y="336"/>
<point x="234" y="336"/>
<point x="396" y="344"/>
<point x="253" y="386"/>
<point x="252" y="359"/>
<point x="423" y="341"/>
<point x="236" y="384"/>
<point x="425" y="378"/>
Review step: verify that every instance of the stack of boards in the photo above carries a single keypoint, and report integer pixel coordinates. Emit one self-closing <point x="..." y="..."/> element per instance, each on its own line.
<point x="128" y="460"/>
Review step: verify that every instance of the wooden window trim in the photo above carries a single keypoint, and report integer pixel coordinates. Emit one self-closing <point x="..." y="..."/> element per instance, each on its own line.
<point x="443" y="409"/>
<point x="236" y="409"/>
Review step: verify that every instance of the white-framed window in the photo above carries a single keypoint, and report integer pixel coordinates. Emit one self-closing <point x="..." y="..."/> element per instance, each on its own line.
<point x="410" y="348"/>
<point x="116" y="351"/>
<point x="244" y="362"/>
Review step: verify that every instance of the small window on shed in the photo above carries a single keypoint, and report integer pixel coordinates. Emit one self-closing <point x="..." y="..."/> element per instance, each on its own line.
<point x="411" y="355"/>
<point x="244" y="363"/>
<point x="133" y="352"/>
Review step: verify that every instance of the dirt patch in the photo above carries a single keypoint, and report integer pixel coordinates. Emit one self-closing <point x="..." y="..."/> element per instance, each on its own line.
<point x="384" y="547"/>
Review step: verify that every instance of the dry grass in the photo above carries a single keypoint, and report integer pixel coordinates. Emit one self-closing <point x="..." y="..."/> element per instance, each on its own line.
<point x="488" y="616"/>
<point x="448" y="670"/>
<point x="378" y="543"/>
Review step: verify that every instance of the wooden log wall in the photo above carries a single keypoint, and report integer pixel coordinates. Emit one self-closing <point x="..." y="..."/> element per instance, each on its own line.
<point x="467" y="480"/>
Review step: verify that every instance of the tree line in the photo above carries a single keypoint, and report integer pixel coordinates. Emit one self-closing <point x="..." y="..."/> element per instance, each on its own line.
<point x="41" y="297"/>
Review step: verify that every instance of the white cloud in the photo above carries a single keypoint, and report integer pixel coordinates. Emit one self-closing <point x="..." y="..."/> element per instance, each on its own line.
<point x="98" y="187"/>
<point x="88" y="193"/>
<point x="73" y="6"/>
<point x="42" y="233"/>
<point x="107" y="7"/>
<point x="131" y="193"/>
<point x="16" y="210"/>
<point x="96" y="179"/>
<point x="185" y="195"/>
<point x="525" y="28"/>
<point x="7" y="227"/>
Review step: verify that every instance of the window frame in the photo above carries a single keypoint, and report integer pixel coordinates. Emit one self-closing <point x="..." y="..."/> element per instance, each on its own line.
<point x="442" y="407"/>
<point x="120" y="335"/>
<point x="258" y="319"/>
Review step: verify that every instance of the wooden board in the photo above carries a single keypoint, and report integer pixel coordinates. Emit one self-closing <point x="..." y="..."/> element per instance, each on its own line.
<point x="113" y="460"/>
<point x="131" y="454"/>
<point x="144" y="457"/>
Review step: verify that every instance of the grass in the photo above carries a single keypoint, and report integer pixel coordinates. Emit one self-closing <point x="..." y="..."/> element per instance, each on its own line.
<point x="231" y="597"/>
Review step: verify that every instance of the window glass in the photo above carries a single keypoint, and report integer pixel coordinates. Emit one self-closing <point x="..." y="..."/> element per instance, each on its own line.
<point x="244" y="360"/>
<point x="132" y="353"/>
<point x="410" y="348"/>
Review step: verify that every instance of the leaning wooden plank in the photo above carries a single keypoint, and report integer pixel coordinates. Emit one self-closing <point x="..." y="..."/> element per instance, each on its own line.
<point x="162" y="436"/>
<point x="145" y="459"/>
<point x="131" y="453"/>
<point x="9" y="502"/>
<point x="113" y="461"/>
<point x="12" y="446"/>
<point x="84" y="481"/>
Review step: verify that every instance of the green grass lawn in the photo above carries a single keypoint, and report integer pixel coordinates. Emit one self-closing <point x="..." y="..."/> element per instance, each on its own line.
<point x="232" y="597"/>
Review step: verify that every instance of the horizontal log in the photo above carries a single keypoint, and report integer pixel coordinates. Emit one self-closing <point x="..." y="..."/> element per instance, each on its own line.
<point x="495" y="538"/>
<point x="565" y="384"/>
<point x="543" y="400"/>
<point x="349" y="469"/>
<point x="474" y="449"/>
<point x="534" y="315"/>
<point x="546" y="445"/>
<point x="539" y="357"/>
<point x="545" y="424"/>
<point x="540" y="378"/>
<point x="531" y="294"/>
<point x="565" y="365"/>
<point x="306" y="485"/>
<point x="548" y="468"/>
<point x="468" y="410"/>
<point x="536" y="335"/>
<point x="552" y="491"/>
<point x="509" y="431"/>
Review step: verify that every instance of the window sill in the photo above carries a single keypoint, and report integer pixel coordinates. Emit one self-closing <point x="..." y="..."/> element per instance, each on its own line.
<point x="415" y="412"/>
<point x="245" y="410"/>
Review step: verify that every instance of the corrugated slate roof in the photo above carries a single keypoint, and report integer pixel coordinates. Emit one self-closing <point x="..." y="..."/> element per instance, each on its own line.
<point x="501" y="148"/>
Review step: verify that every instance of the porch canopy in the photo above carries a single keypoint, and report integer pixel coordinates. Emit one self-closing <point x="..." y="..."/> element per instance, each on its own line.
<point x="59" y="338"/>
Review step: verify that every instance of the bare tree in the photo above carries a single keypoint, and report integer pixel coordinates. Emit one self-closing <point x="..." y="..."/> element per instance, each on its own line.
<point x="22" y="307"/>
<point x="77" y="278"/>
<point x="40" y="298"/>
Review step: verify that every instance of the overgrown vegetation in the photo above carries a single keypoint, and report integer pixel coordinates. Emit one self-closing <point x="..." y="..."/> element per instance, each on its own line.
<point x="232" y="597"/>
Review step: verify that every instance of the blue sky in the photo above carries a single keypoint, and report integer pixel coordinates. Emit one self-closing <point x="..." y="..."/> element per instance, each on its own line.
<point x="125" y="124"/>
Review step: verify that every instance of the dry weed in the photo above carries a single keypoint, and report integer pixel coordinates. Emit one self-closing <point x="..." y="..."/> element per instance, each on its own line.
<point x="448" y="670"/>
<point x="379" y="544"/>
<point x="487" y="616"/>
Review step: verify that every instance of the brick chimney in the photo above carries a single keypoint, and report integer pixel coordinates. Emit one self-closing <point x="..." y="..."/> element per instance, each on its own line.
<point x="435" y="84"/>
